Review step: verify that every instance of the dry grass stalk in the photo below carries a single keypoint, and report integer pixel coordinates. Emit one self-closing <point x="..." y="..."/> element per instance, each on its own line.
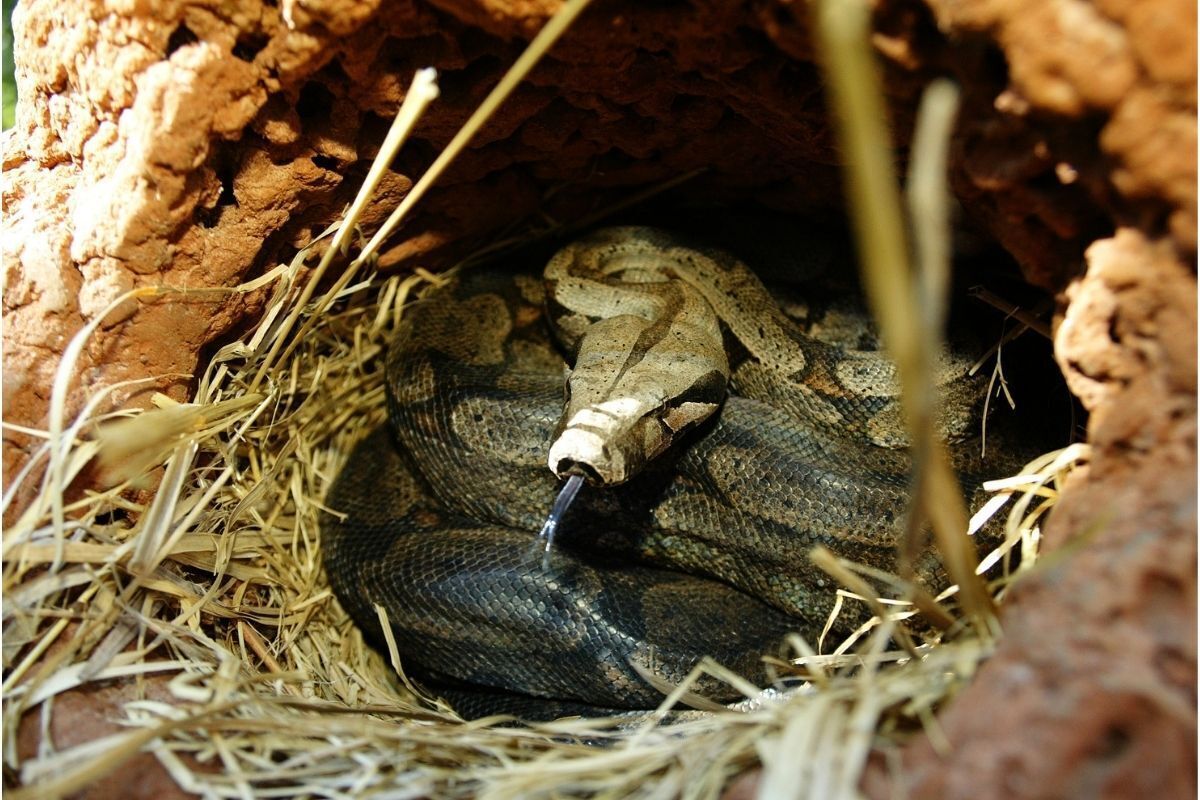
<point x="905" y="285"/>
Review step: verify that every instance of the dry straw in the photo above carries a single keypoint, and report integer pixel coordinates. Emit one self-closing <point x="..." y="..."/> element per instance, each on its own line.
<point x="216" y="586"/>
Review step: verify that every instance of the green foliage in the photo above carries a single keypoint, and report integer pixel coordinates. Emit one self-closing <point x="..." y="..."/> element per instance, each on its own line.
<point x="10" y="83"/>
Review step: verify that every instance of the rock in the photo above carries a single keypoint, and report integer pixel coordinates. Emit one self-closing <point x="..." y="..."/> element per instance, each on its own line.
<point x="1092" y="692"/>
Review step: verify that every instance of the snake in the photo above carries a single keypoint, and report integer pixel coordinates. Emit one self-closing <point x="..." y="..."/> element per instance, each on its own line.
<point x="720" y="435"/>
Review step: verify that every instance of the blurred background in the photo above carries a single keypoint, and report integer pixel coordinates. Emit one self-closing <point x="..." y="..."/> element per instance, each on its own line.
<point x="10" y="84"/>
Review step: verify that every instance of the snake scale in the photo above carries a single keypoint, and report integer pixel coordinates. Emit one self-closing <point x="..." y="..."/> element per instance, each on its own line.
<point x="723" y="438"/>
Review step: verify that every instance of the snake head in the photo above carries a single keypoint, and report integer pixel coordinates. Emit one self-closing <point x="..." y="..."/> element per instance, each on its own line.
<point x="610" y="443"/>
<point x="627" y="403"/>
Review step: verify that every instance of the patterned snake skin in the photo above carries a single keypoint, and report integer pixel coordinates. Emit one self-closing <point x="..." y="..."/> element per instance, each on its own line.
<point x="701" y="552"/>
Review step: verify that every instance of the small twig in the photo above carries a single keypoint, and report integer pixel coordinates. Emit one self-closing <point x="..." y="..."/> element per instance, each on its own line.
<point x="546" y="37"/>
<point x="834" y="567"/>
<point x="1028" y="319"/>
<point x="421" y="92"/>
<point x="995" y="349"/>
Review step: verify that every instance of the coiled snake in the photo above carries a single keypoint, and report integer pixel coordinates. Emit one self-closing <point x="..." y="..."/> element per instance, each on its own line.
<point x="696" y="544"/>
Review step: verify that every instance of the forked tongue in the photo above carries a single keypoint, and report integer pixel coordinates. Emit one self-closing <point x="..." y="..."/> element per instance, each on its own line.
<point x="566" y="496"/>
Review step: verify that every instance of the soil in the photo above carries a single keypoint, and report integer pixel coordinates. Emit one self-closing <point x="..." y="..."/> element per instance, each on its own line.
<point x="192" y="146"/>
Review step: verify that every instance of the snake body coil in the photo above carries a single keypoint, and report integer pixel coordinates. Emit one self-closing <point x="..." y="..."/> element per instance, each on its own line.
<point x="697" y="543"/>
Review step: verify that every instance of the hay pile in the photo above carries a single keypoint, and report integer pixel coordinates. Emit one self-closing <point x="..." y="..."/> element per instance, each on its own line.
<point x="217" y="582"/>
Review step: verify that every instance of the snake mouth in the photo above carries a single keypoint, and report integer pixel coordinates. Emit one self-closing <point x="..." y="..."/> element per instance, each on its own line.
<point x="599" y="460"/>
<point x="567" y="467"/>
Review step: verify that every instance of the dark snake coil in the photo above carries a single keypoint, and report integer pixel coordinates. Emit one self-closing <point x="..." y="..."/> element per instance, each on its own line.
<point x="702" y="552"/>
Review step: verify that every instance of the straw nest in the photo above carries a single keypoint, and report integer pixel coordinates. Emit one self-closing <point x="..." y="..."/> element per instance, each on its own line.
<point x="217" y="582"/>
